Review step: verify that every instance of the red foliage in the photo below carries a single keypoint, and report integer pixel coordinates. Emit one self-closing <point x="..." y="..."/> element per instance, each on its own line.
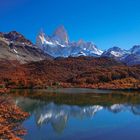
<point x="78" y="72"/>
<point x="10" y="115"/>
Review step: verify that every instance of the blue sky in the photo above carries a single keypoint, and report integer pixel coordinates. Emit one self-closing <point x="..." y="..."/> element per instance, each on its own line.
<point x="105" y="22"/>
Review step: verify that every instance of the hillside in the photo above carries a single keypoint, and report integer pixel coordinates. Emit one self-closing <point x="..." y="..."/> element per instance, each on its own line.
<point x="14" y="46"/>
<point x="70" y="72"/>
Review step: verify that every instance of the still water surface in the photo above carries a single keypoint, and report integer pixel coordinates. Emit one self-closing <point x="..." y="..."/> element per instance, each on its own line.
<point x="51" y="121"/>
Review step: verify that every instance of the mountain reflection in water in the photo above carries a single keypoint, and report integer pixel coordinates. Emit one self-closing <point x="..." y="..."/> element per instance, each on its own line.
<point x="58" y="115"/>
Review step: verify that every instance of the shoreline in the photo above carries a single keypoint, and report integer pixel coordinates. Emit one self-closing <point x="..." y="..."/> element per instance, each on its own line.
<point x="75" y="87"/>
<point x="80" y="98"/>
<point x="10" y="120"/>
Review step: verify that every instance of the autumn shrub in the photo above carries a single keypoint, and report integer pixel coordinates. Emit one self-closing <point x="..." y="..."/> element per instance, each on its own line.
<point x="10" y="118"/>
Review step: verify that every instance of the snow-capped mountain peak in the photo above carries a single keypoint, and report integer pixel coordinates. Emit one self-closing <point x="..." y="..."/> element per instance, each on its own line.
<point x="42" y="37"/>
<point x="135" y="49"/>
<point x="60" y="34"/>
<point x="129" y="57"/>
<point x="58" y="45"/>
<point x="114" y="52"/>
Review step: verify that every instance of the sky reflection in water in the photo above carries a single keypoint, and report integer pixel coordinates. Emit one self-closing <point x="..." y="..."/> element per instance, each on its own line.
<point x="49" y="121"/>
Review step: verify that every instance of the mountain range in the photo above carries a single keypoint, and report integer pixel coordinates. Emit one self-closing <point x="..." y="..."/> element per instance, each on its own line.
<point x="59" y="45"/>
<point x="56" y="61"/>
<point x="14" y="46"/>
<point x="58" y="115"/>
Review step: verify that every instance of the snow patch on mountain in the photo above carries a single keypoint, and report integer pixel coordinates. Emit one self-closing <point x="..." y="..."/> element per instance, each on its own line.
<point x="115" y="52"/>
<point x="58" y="45"/>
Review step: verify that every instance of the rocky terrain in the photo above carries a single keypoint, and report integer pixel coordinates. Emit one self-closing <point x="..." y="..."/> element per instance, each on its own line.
<point x="59" y="45"/>
<point x="14" y="46"/>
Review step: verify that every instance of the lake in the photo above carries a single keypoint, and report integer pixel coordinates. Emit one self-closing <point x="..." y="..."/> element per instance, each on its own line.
<point x="116" y="117"/>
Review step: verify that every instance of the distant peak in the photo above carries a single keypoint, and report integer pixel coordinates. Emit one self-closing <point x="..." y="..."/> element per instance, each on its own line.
<point x="135" y="49"/>
<point x="14" y="33"/>
<point x="61" y="27"/>
<point x="41" y="32"/>
<point x="61" y="35"/>
<point x="16" y="36"/>
<point x="81" y="41"/>
<point x="116" y="47"/>
<point x="136" y="46"/>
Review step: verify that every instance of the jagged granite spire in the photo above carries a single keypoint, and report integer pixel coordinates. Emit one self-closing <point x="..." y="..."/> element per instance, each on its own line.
<point x="58" y="45"/>
<point x="61" y="35"/>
